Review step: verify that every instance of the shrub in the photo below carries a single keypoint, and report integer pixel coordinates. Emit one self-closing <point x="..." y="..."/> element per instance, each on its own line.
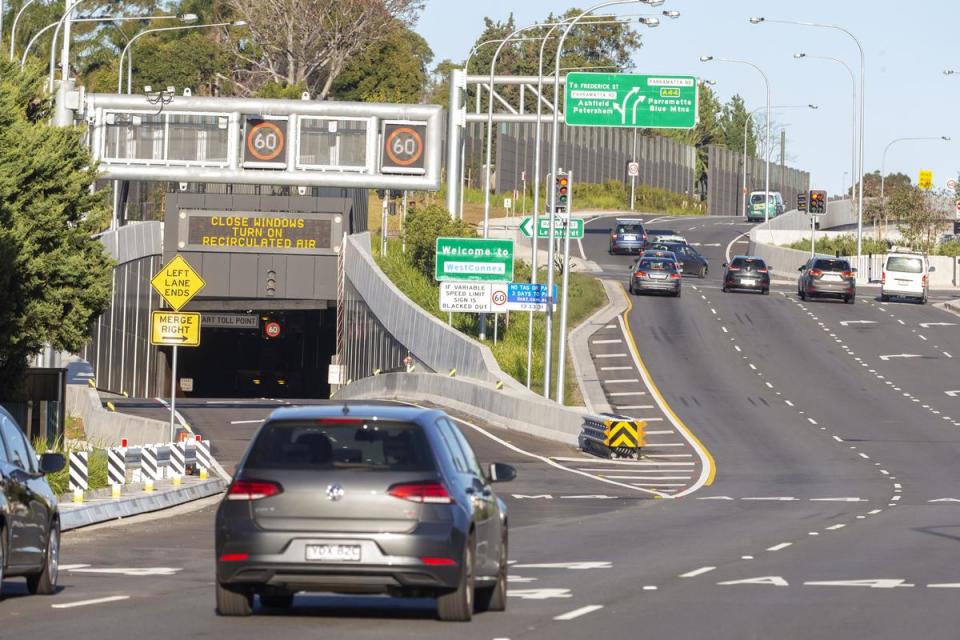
<point x="424" y="225"/>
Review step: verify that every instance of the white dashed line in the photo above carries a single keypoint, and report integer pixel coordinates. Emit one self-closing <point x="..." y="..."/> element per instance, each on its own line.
<point x="780" y="547"/>
<point x="576" y="613"/>
<point x="697" y="572"/>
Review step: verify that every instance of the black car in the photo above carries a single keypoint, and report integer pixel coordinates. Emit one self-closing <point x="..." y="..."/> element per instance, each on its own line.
<point x="748" y="273"/>
<point x="827" y="277"/>
<point x="657" y="275"/>
<point x="29" y="519"/>
<point x="691" y="262"/>
<point x="362" y="499"/>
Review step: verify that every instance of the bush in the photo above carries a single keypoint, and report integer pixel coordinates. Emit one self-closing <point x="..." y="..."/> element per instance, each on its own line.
<point x="846" y="245"/>
<point x="424" y="225"/>
<point x="949" y="249"/>
<point x="60" y="481"/>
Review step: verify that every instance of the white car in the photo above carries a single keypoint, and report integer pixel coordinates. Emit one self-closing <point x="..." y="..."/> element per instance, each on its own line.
<point x="905" y="275"/>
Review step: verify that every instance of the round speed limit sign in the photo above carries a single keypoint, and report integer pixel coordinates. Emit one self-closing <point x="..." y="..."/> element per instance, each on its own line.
<point x="266" y="141"/>
<point x="499" y="298"/>
<point x="404" y="146"/>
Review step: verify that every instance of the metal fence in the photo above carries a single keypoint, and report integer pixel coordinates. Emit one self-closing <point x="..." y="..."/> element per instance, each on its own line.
<point x="725" y="181"/>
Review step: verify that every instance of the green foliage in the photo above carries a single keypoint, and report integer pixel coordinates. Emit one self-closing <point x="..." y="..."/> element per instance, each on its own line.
<point x="276" y="90"/>
<point x="846" y="245"/>
<point x="60" y="481"/>
<point x="393" y="70"/>
<point x="891" y="183"/>
<point x="734" y="120"/>
<point x="615" y="195"/>
<point x="54" y="277"/>
<point x="424" y="225"/>
<point x="951" y="248"/>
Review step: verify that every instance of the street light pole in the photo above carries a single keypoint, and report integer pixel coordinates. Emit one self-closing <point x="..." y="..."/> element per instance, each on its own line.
<point x="853" y="127"/>
<point x="766" y="84"/>
<point x="759" y="20"/>
<point x="13" y="27"/>
<point x="883" y="168"/>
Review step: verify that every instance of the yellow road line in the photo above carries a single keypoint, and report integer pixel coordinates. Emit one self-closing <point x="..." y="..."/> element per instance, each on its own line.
<point x="706" y="455"/>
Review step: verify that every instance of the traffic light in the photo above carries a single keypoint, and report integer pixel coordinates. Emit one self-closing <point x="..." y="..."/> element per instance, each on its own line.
<point x="801" y="202"/>
<point x="561" y="187"/>
<point x="818" y="202"/>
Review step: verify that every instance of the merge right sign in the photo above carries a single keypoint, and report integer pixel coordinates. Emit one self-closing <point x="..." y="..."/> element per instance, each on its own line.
<point x="631" y="100"/>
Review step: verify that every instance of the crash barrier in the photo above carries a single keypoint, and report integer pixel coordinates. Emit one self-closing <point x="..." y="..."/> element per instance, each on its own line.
<point x="613" y="436"/>
<point x="146" y="465"/>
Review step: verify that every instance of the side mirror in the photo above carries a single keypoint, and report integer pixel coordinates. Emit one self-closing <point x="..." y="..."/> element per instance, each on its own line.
<point x="800" y="268"/>
<point x="724" y="265"/>
<point x="500" y="472"/>
<point x="52" y="462"/>
<point x="932" y="269"/>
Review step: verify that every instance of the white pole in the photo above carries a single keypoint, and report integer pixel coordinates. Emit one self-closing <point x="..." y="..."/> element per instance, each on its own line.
<point x="173" y="396"/>
<point x="13" y="28"/>
<point x="633" y="179"/>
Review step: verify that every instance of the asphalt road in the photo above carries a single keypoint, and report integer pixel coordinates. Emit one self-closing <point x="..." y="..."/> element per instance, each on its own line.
<point x="834" y="513"/>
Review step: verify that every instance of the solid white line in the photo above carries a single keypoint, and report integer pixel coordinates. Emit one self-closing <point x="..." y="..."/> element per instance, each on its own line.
<point x="612" y="355"/>
<point x="624" y="381"/>
<point x="615" y="368"/>
<point x="697" y="572"/>
<point x="246" y="421"/>
<point x="84" y="603"/>
<point x="733" y="242"/>
<point x="669" y="455"/>
<point x="620" y="394"/>
<point x="666" y="444"/>
<point x="576" y="613"/>
<point x="658" y="484"/>
<point x="650" y="478"/>
<point x="779" y="547"/>
<point x="659" y="433"/>
<point x="635" y="406"/>
<point x="615" y="341"/>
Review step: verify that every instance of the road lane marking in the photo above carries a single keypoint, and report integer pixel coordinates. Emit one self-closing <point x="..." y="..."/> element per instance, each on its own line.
<point x="85" y="603"/>
<point x="246" y="421"/>
<point x="697" y="572"/>
<point x="572" y="566"/>
<point x="637" y="406"/>
<point x="620" y="394"/>
<point x="645" y="478"/>
<point x="836" y="527"/>
<point x="611" y="355"/>
<point x="621" y="381"/>
<point x="539" y="594"/>
<point x="780" y="547"/>
<point x="881" y="583"/>
<point x="616" y="368"/>
<point x="614" y="341"/>
<point x="576" y="613"/>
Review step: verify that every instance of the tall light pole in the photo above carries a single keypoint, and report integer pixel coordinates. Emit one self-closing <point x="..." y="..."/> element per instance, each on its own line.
<point x="766" y="84"/>
<point x="863" y="88"/>
<point x="883" y="167"/>
<point x="853" y="127"/>
<point x="554" y="155"/>
<point x="13" y="27"/>
<point x="187" y="18"/>
<point x="746" y="132"/>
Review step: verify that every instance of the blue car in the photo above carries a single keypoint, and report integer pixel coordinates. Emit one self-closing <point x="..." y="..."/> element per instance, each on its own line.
<point x="628" y="236"/>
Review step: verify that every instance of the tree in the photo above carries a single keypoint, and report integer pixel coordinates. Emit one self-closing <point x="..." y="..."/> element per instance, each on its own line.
<point x="424" y="225"/>
<point x="311" y="41"/>
<point x="734" y="119"/>
<point x="707" y="132"/>
<point x="892" y="182"/>
<point x="920" y="219"/>
<point x="392" y="70"/>
<point x="54" y="276"/>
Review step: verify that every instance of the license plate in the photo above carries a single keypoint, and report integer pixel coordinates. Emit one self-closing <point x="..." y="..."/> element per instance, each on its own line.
<point x="903" y="282"/>
<point x="832" y="277"/>
<point x="658" y="276"/>
<point x="630" y="238"/>
<point x="748" y="283"/>
<point x="333" y="552"/>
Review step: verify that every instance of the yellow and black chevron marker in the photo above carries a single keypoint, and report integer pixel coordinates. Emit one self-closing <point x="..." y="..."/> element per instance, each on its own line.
<point x="626" y="434"/>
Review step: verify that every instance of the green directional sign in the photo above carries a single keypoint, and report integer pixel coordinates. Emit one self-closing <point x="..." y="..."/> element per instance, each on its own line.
<point x="543" y="227"/>
<point x="631" y="100"/>
<point x="473" y="259"/>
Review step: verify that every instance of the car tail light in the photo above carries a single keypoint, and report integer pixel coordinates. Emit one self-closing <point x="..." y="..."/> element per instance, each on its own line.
<point x="613" y="236"/>
<point x="234" y="557"/>
<point x="762" y="270"/>
<point x="425" y="492"/>
<point x="883" y="278"/>
<point x="733" y="268"/>
<point x="253" y="489"/>
<point x="641" y="274"/>
<point x="674" y="276"/>
<point x="924" y="280"/>
<point x="438" y="562"/>
<point x="816" y="273"/>
<point x="847" y="274"/>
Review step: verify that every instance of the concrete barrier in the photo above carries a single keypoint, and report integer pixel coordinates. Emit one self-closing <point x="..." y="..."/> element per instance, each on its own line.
<point x="518" y="410"/>
<point x="106" y="428"/>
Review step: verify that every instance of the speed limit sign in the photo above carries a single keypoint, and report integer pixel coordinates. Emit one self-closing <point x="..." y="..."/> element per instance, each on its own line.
<point x="404" y="147"/>
<point x="265" y="142"/>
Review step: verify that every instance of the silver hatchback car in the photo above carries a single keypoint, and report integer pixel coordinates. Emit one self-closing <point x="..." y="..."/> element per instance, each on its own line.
<point x="362" y="499"/>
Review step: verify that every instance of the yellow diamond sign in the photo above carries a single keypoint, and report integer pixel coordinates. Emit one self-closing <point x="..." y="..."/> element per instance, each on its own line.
<point x="177" y="283"/>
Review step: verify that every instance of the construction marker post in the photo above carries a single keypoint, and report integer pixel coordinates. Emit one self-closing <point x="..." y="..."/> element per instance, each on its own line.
<point x="116" y="470"/>
<point x="178" y="462"/>
<point x="149" y="468"/>
<point x="79" y="474"/>
<point x="204" y="461"/>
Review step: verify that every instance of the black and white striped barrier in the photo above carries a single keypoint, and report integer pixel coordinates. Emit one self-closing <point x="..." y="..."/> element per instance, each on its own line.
<point x="116" y="470"/>
<point x="178" y="461"/>
<point x="204" y="461"/>
<point x="79" y="474"/>
<point x="149" y="468"/>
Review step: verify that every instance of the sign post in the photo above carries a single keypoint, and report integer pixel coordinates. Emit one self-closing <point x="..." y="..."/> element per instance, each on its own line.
<point x="177" y="283"/>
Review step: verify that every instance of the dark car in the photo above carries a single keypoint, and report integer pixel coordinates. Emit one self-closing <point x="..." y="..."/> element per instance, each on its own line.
<point x="827" y="277"/>
<point x="748" y="273"/>
<point x="627" y="236"/>
<point x="29" y="519"/>
<point x="654" y="253"/>
<point x="655" y="275"/>
<point x="691" y="262"/>
<point x="362" y="499"/>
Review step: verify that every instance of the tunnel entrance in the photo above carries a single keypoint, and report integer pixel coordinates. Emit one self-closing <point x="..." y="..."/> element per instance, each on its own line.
<point x="286" y="356"/>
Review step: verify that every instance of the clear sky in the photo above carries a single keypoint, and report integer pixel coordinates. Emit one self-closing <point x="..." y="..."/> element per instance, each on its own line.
<point x="907" y="47"/>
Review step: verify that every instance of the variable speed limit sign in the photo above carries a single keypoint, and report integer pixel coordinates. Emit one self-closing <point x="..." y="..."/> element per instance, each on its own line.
<point x="265" y="143"/>
<point x="404" y="148"/>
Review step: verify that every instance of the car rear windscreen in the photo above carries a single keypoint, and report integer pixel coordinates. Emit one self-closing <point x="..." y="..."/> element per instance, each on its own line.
<point x="752" y="263"/>
<point x="633" y="229"/>
<point x="342" y="443"/>
<point x="832" y="265"/>
<point x="904" y="264"/>
<point x="758" y="198"/>
<point x="657" y="265"/>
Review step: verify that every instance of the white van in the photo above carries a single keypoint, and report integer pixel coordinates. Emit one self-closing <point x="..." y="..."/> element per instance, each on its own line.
<point x="905" y="275"/>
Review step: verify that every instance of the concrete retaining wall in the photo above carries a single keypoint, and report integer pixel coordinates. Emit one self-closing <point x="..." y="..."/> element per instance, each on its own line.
<point x="519" y="410"/>
<point x="106" y="428"/>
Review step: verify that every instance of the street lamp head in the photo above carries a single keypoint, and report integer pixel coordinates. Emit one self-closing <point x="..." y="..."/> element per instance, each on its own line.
<point x="813" y="106"/>
<point x="756" y="20"/>
<point x="949" y="72"/>
<point x="653" y="3"/>
<point x="188" y="18"/>
<point x="709" y="82"/>
<point x="650" y="22"/>
<point x="947" y="138"/>
<point x="797" y="56"/>
<point x="706" y="58"/>
<point x="672" y="14"/>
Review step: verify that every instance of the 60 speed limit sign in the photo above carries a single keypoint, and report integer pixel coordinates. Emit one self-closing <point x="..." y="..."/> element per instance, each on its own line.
<point x="404" y="147"/>
<point x="265" y="143"/>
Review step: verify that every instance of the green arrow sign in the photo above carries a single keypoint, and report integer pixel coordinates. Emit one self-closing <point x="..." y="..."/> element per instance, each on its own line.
<point x="631" y="100"/>
<point x="473" y="259"/>
<point x="543" y="227"/>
